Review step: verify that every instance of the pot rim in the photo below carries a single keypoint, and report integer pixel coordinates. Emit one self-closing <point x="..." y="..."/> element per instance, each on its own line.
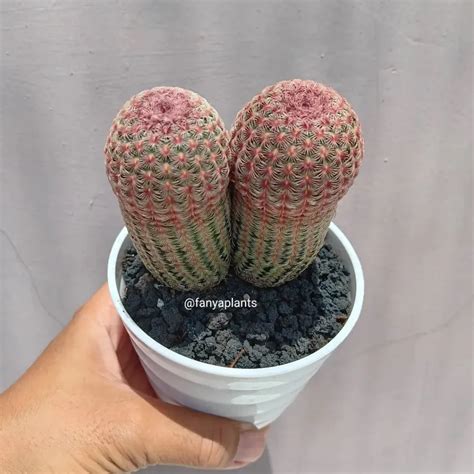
<point x="233" y="372"/>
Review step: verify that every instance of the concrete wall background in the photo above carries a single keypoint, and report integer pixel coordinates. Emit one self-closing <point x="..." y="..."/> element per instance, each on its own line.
<point x="397" y="397"/>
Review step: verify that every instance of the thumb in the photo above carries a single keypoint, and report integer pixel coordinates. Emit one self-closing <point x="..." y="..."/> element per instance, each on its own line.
<point x="178" y="435"/>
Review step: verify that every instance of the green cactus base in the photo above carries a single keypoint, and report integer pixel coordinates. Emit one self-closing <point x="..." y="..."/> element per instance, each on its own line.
<point x="272" y="252"/>
<point x="195" y="256"/>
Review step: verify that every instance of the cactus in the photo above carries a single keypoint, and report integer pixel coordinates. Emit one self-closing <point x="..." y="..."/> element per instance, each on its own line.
<point x="167" y="162"/>
<point x="295" y="151"/>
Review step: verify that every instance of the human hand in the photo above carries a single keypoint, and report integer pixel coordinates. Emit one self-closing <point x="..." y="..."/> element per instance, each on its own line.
<point x="86" y="405"/>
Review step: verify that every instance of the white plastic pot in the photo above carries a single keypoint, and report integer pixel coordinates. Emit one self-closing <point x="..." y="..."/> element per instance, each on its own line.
<point x="256" y="396"/>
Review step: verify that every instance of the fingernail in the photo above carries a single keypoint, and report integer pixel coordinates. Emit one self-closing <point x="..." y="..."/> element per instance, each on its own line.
<point x="251" y="446"/>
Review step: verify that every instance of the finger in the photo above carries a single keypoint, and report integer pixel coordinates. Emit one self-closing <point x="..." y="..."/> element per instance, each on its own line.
<point x="100" y="311"/>
<point x="177" y="435"/>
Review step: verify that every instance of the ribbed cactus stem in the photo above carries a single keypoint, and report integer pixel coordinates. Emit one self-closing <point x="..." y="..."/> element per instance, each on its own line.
<point x="295" y="151"/>
<point x="167" y="163"/>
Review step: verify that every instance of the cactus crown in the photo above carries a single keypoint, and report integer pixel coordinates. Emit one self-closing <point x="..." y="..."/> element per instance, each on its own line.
<point x="166" y="159"/>
<point x="296" y="148"/>
<point x="177" y="141"/>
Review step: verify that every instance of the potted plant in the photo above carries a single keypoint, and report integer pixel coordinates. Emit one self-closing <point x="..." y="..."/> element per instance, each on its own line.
<point x="229" y="276"/>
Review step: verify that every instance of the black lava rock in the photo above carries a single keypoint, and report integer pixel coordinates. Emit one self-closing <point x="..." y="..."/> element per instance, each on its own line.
<point x="288" y="323"/>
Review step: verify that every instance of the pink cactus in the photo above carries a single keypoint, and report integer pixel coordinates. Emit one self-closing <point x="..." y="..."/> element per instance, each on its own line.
<point x="166" y="160"/>
<point x="295" y="151"/>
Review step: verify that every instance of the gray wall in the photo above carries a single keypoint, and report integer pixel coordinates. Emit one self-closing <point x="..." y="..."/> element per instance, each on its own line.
<point x="397" y="397"/>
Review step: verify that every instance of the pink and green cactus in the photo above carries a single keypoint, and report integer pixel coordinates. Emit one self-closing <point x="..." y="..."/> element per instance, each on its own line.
<point x="295" y="150"/>
<point x="167" y="163"/>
